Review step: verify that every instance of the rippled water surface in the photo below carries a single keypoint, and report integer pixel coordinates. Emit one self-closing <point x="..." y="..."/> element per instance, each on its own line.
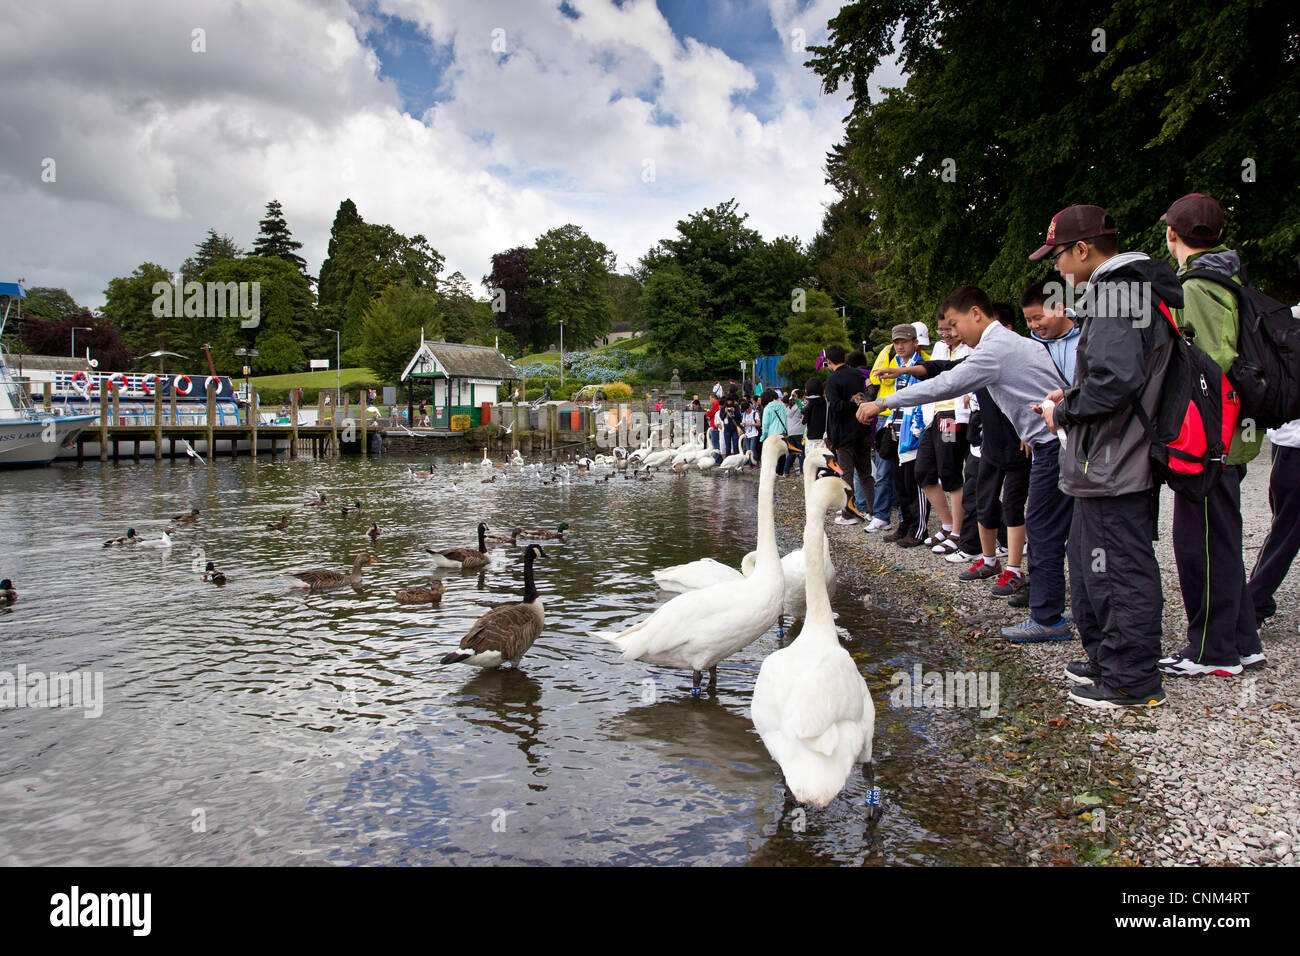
<point x="254" y="724"/>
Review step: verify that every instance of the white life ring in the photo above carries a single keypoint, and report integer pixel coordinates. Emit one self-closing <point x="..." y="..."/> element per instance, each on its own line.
<point x="81" y="382"/>
<point x="147" y="383"/>
<point x="214" y="382"/>
<point x="176" y="385"/>
<point x="118" y="379"/>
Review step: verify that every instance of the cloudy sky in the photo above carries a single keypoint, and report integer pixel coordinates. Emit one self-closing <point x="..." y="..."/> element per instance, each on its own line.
<point x="479" y="123"/>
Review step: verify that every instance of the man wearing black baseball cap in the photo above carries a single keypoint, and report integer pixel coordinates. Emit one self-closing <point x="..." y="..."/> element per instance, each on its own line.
<point x="1115" y="588"/>
<point x="1222" y="636"/>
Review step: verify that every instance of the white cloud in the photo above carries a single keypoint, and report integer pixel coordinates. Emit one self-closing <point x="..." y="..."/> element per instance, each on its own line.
<point x="154" y="143"/>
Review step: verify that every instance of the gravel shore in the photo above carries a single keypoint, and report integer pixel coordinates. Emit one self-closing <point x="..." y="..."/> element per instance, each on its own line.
<point x="1208" y="778"/>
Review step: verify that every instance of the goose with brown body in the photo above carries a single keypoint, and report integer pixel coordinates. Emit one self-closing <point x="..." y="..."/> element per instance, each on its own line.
<point x="430" y="595"/>
<point x="463" y="558"/>
<point x="504" y="634"/>
<point x="323" y="579"/>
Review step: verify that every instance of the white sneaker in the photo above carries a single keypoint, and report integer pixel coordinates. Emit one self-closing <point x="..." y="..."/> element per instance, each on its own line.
<point x="959" y="556"/>
<point x="840" y="519"/>
<point x="1254" y="660"/>
<point x="1000" y="552"/>
<point x="1182" y="667"/>
<point x="876" y="524"/>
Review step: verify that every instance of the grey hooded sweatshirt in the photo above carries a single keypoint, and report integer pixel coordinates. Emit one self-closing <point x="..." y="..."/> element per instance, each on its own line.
<point x="1017" y="371"/>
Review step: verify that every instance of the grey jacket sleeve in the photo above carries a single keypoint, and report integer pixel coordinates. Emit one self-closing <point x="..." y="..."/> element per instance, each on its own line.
<point x="976" y="370"/>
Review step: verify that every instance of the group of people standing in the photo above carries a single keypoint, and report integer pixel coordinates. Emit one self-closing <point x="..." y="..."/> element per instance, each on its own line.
<point x="1032" y="448"/>
<point x="737" y="425"/>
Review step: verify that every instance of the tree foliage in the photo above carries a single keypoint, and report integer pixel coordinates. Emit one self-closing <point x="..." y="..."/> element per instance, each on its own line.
<point x="275" y="241"/>
<point x="569" y="275"/>
<point x="391" y="327"/>
<point x="1013" y="110"/>
<point x="510" y="285"/>
<point x="208" y="253"/>
<point x="807" y="333"/>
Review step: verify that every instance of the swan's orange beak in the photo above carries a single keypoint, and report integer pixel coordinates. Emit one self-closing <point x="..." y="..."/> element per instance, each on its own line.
<point x="834" y="466"/>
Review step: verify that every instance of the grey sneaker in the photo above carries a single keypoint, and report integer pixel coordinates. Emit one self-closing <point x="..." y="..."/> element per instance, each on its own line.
<point x="1031" y="632"/>
<point x="1250" y="661"/>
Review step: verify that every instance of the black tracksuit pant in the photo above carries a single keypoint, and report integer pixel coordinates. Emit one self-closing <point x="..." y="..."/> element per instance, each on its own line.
<point x="970" y="529"/>
<point x="913" y="505"/>
<point x="1115" y="588"/>
<point x="1283" y="541"/>
<point x="1207" y="548"/>
<point x="1048" y="514"/>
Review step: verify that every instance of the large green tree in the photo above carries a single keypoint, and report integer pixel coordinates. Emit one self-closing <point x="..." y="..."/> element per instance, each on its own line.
<point x="284" y="304"/>
<point x="674" y="318"/>
<point x="275" y="241"/>
<point x="510" y="290"/>
<point x="130" y="303"/>
<point x="391" y="327"/>
<point x="208" y="253"/>
<point x="1013" y="110"/>
<point x="570" y="273"/>
<point x="807" y="333"/>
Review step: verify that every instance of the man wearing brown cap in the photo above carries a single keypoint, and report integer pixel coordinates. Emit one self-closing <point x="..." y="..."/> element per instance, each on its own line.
<point x="1115" y="587"/>
<point x="1222" y="636"/>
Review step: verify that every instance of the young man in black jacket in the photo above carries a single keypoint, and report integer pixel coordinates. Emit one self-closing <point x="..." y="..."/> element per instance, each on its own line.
<point x="848" y="438"/>
<point x="1123" y="352"/>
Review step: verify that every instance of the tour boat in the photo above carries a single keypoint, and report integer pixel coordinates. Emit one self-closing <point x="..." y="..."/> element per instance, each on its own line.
<point x="27" y="436"/>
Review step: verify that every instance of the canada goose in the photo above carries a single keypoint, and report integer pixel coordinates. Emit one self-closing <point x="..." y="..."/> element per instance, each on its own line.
<point x="7" y="593"/>
<point x="811" y="705"/>
<point x="463" y="558"/>
<point x="541" y="535"/>
<point x="187" y="519"/>
<point x="430" y="595"/>
<point x="279" y="525"/>
<point x="502" y="539"/>
<point x="128" y="538"/>
<point x="698" y="629"/>
<point x="354" y="509"/>
<point x="505" y="633"/>
<point x="374" y="531"/>
<point x="323" y="579"/>
<point x="210" y="573"/>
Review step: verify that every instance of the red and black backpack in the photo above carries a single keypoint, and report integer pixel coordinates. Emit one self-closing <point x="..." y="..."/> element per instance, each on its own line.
<point x="1196" y="415"/>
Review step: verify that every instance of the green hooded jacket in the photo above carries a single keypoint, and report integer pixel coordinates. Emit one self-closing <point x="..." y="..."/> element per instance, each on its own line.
<point x="1211" y="312"/>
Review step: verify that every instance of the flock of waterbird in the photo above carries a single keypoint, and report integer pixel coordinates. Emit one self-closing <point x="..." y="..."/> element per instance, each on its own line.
<point x="810" y="704"/>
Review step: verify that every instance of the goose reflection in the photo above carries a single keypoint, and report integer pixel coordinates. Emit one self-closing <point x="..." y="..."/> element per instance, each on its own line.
<point x="507" y="701"/>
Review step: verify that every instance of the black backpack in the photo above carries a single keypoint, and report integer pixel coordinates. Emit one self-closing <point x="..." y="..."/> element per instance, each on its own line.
<point x="1266" y="372"/>
<point x="1196" y="415"/>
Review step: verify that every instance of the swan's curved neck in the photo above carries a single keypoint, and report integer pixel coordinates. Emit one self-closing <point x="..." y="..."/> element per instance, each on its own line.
<point x="818" y="612"/>
<point x="766" y="518"/>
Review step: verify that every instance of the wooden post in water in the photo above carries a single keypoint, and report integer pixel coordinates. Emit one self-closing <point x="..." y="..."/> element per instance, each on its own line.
<point x="171" y="409"/>
<point x="157" y="420"/>
<point x="116" y="420"/>
<point x="334" y="432"/>
<point x="211" y="416"/>
<point x="252" y="412"/>
<point x="49" y="395"/>
<point x="293" y="423"/>
<point x="104" y="405"/>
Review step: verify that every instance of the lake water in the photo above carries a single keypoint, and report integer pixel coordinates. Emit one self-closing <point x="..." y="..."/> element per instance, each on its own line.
<point x="256" y="724"/>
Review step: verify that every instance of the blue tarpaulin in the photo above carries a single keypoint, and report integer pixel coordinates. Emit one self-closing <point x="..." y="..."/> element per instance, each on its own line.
<point x="765" y="371"/>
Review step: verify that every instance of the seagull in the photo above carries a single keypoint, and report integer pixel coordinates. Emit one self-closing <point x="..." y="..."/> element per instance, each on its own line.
<point x="189" y="450"/>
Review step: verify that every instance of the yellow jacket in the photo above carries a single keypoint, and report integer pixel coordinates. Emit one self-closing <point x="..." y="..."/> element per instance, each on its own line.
<point x="884" y="360"/>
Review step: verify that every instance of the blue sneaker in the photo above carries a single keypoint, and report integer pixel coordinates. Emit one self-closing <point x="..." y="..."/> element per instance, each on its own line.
<point x="1031" y="632"/>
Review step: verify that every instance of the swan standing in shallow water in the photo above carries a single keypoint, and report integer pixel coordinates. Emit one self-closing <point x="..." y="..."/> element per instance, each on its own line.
<point x="793" y="564"/>
<point x="697" y="629"/>
<point x="811" y="705"/>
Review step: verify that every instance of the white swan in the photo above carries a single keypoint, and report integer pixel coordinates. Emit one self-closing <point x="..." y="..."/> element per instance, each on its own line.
<point x="699" y="628"/>
<point x="732" y="462"/>
<point x="486" y="462"/>
<point x="707" y="460"/>
<point x="694" y="575"/>
<point x="811" y="705"/>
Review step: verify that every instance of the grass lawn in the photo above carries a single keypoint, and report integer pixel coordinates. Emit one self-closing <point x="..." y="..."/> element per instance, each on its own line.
<point x="325" y="379"/>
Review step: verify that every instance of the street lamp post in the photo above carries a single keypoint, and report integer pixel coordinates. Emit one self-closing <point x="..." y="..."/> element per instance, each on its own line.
<point x="561" y="352"/>
<point x="75" y="330"/>
<point x="338" y="373"/>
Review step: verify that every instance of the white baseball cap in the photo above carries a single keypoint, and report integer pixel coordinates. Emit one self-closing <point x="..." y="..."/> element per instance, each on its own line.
<point x="922" y="333"/>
